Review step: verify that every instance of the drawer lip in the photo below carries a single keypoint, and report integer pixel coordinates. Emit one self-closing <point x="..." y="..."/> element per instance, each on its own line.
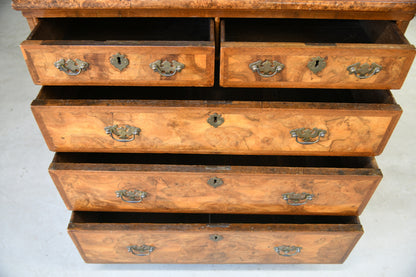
<point x="340" y="223"/>
<point x="249" y="242"/>
<point x="76" y="161"/>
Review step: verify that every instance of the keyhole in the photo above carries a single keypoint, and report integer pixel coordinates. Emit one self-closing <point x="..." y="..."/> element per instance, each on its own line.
<point x="215" y="181"/>
<point x="215" y="237"/>
<point x="215" y="119"/>
<point x="118" y="60"/>
<point x="316" y="63"/>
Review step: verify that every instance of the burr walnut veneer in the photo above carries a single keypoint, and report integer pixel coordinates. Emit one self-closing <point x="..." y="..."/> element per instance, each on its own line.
<point x="216" y="131"/>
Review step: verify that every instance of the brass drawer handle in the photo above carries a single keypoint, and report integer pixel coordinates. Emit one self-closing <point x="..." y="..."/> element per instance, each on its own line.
<point x="297" y="199"/>
<point x="166" y="68"/>
<point x="123" y="134"/>
<point x="306" y="135"/>
<point x="215" y="120"/>
<point x="71" y="67"/>
<point x="287" y="250"/>
<point x="364" y="71"/>
<point x="266" y="68"/>
<point x="143" y="250"/>
<point x="133" y="196"/>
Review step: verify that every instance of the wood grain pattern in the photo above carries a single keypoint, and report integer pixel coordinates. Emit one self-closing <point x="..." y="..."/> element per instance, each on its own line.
<point x="190" y="243"/>
<point x="236" y="57"/>
<point x="184" y="188"/>
<point x="197" y="57"/>
<point x="174" y="126"/>
<point x="344" y="5"/>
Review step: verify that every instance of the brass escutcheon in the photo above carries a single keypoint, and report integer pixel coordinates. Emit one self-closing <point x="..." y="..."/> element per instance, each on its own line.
<point x="215" y="237"/>
<point x="119" y="61"/>
<point x="316" y="64"/>
<point x="215" y="120"/>
<point x="215" y="182"/>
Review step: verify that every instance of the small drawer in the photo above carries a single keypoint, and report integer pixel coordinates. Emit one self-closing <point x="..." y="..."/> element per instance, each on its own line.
<point x="313" y="54"/>
<point x="216" y="120"/>
<point x="215" y="183"/>
<point x="216" y="239"/>
<point x="121" y="51"/>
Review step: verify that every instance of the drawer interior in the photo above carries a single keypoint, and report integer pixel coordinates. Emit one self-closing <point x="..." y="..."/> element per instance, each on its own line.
<point x="311" y="31"/>
<point x="217" y="160"/>
<point x="103" y="29"/>
<point x="217" y="94"/>
<point x="155" y="218"/>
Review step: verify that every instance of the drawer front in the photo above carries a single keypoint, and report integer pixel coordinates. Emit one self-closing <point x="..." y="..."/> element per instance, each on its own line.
<point x="237" y="61"/>
<point x="196" y="64"/>
<point x="201" y="127"/>
<point x="205" y="243"/>
<point x="122" y="51"/>
<point x="214" y="189"/>
<point x="314" y="54"/>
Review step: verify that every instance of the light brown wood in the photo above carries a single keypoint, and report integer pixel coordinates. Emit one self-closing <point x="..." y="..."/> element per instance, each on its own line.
<point x="249" y="242"/>
<point x="41" y="55"/>
<point x="182" y="188"/>
<point x="175" y="126"/>
<point x="344" y="5"/>
<point x="389" y="49"/>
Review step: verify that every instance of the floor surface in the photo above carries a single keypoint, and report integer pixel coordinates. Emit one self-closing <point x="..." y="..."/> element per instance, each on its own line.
<point x="33" y="218"/>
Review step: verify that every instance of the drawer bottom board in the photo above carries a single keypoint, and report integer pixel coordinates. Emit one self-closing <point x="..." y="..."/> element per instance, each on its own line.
<point x="213" y="238"/>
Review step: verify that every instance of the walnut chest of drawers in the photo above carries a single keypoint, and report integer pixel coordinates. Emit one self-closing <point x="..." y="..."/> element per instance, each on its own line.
<point x="216" y="131"/>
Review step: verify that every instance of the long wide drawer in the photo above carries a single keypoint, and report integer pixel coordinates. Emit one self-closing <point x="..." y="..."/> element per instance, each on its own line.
<point x="215" y="183"/>
<point x="226" y="239"/>
<point x="216" y="120"/>
<point x="314" y="53"/>
<point x="121" y="51"/>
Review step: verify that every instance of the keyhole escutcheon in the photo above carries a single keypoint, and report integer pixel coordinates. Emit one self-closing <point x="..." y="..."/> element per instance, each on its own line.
<point x="317" y="64"/>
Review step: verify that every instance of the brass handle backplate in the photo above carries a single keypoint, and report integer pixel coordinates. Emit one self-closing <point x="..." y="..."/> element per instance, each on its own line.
<point x="71" y="67"/>
<point x="123" y="134"/>
<point x="132" y="196"/>
<point x="143" y="250"/>
<point x="287" y="250"/>
<point x="305" y="136"/>
<point x="364" y="71"/>
<point x="297" y="199"/>
<point x="266" y="68"/>
<point x="166" y="68"/>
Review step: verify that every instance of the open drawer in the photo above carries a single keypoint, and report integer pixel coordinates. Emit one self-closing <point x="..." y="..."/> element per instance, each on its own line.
<point x="121" y="51"/>
<point x="216" y="120"/>
<point x="212" y="238"/>
<point x="313" y="53"/>
<point x="215" y="183"/>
